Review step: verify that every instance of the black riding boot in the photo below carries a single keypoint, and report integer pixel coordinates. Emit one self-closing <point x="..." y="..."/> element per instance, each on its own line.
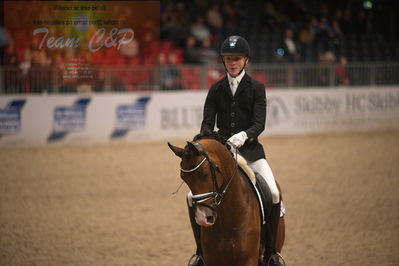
<point x="272" y="256"/>
<point x="196" y="259"/>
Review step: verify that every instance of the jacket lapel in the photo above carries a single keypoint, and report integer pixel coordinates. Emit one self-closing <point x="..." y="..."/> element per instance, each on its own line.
<point x="242" y="85"/>
<point x="226" y="86"/>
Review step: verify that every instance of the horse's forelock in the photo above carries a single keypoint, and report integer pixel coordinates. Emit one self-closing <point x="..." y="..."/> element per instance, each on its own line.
<point x="188" y="153"/>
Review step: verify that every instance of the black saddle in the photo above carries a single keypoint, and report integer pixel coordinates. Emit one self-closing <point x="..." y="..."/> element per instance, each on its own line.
<point x="263" y="194"/>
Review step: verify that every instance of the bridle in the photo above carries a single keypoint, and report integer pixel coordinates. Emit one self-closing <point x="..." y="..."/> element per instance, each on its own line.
<point x="218" y="193"/>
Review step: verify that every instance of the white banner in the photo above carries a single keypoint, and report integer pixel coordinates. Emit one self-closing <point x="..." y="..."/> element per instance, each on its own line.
<point x="325" y="110"/>
<point x="99" y="118"/>
<point x="102" y="118"/>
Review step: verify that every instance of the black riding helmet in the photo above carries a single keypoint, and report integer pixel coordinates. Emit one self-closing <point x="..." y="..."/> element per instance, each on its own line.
<point x="235" y="45"/>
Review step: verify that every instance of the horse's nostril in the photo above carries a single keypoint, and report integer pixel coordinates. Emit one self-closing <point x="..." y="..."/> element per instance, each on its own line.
<point x="210" y="219"/>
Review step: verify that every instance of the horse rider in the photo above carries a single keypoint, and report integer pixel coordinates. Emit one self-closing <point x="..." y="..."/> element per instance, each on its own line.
<point x="238" y="104"/>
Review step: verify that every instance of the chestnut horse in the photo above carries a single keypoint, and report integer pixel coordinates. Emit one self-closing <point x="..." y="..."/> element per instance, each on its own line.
<point x="226" y="206"/>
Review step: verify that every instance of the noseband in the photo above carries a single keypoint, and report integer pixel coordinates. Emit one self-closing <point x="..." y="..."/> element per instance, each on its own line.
<point x="217" y="193"/>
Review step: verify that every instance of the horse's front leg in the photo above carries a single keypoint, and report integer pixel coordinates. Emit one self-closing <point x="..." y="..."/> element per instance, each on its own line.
<point x="248" y="250"/>
<point x="233" y="251"/>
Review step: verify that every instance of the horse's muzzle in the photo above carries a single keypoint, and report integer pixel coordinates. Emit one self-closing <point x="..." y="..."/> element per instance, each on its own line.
<point x="205" y="216"/>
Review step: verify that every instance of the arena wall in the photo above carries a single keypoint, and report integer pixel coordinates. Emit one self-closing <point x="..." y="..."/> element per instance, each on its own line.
<point x="27" y="120"/>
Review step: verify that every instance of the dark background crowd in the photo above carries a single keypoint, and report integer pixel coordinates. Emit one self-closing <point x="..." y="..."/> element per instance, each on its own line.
<point x="186" y="34"/>
<point x="281" y="31"/>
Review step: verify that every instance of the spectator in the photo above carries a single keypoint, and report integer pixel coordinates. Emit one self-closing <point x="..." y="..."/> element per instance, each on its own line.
<point x="207" y="55"/>
<point x="308" y="32"/>
<point x="290" y="49"/>
<point x="181" y="13"/>
<point x="40" y="78"/>
<point x="171" y="77"/>
<point x="128" y="76"/>
<point x="346" y="22"/>
<point x="171" y="29"/>
<point x="25" y="66"/>
<point x="199" y="30"/>
<point x="190" y="54"/>
<point x="169" y="54"/>
<point x="150" y="48"/>
<point x="324" y="32"/>
<point x="326" y="60"/>
<point x="339" y="16"/>
<point x="272" y="18"/>
<point x="294" y="13"/>
<point x="341" y="76"/>
<point x="129" y="54"/>
<point x="336" y="35"/>
<point x="215" y="20"/>
<point x="231" y="19"/>
<point x="10" y="54"/>
<point x="336" y="30"/>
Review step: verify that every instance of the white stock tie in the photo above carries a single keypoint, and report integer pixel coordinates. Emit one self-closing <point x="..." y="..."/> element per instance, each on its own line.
<point x="233" y="86"/>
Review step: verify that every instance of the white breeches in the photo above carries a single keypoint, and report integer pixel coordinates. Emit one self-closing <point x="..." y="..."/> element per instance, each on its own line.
<point x="262" y="167"/>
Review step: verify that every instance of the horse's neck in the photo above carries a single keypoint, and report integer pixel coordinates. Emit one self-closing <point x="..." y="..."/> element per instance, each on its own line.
<point x="238" y="198"/>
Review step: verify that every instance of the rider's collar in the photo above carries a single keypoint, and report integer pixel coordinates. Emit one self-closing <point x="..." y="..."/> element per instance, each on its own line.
<point x="238" y="78"/>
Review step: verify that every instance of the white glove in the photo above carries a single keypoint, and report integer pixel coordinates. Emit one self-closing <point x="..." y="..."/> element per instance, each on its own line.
<point x="238" y="139"/>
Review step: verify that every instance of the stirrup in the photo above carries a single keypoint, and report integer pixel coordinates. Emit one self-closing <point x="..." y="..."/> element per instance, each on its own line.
<point x="276" y="259"/>
<point x="195" y="260"/>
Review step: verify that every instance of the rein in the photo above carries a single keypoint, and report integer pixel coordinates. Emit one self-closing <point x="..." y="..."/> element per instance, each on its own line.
<point x="216" y="194"/>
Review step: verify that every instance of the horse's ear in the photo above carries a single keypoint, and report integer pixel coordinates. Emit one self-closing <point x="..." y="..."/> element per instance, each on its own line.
<point x="176" y="150"/>
<point x="194" y="147"/>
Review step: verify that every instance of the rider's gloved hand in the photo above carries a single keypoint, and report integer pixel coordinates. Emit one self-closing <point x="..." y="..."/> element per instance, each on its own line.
<point x="238" y="139"/>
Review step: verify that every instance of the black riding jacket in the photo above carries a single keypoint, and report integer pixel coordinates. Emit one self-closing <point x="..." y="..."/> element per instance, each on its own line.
<point x="245" y="111"/>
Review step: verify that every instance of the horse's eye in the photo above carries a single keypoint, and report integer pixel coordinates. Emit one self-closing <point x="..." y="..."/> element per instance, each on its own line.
<point x="205" y="175"/>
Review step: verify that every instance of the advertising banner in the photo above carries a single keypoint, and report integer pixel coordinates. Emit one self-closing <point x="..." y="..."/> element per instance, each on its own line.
<point x="119" y="117"/>
<point x="323" y="110"/>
